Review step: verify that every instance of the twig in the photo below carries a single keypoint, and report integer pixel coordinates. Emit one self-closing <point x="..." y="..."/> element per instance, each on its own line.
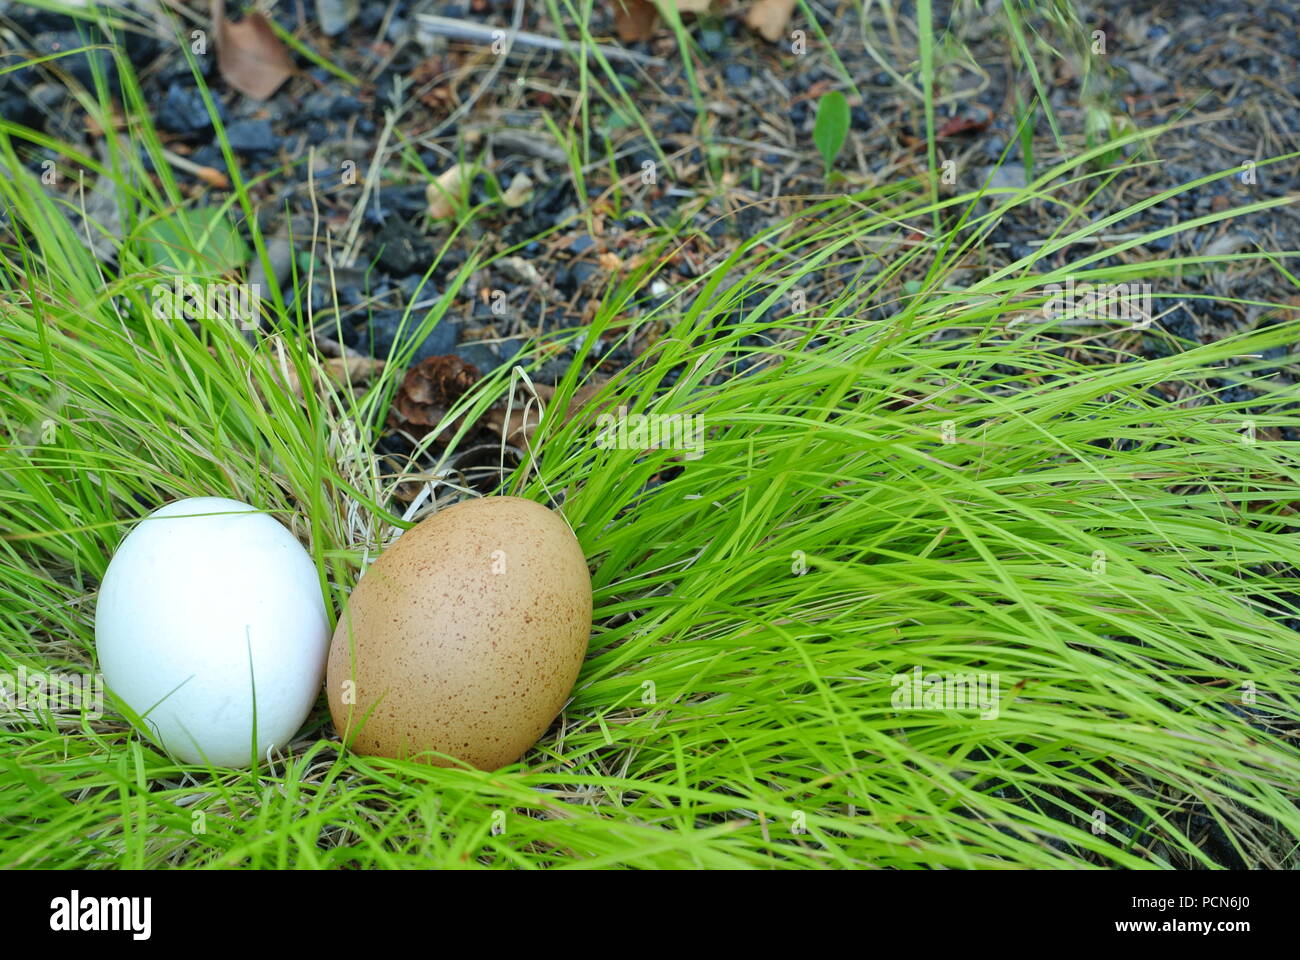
<point x="431" y="25"/>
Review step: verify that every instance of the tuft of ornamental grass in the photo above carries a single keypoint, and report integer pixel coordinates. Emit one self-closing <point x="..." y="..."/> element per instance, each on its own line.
<point x="915" y="470"/>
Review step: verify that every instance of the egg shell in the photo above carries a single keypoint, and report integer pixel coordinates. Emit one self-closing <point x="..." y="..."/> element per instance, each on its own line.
<point x="205" y="600"/>
<point x="464" y="637"/>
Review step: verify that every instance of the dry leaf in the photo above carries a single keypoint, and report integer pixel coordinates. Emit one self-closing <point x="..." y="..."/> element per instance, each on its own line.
<point x="519" y="191"/>
<point x="518" y="422"/>
<point x="634" y="20"/>
<point x="955" y="126"/>
<point x="341" y="371"/>
<point x="249" y="55"/>
<point x="521" y="425"/>
<point x="353" y="368"/>
<point x="770" y="18"/>
<point x="443" y="193"/>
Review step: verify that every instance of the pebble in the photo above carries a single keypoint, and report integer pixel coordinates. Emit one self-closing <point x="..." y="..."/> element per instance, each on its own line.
<point x="401" y="248"/>
<point x="252" y="136"/>
<point x="488" y="356"/>
<point x="1147" y="80"/>
<point x="372" y="15"/>
<point x="1009" y="175"/>
<point x="210" y="155"/>
<point x="317" y="105"/>
<point x="280" y="252"/>
<point x="340" y="330"/>
<point x="1221" y="78"/>
<point x="584" y="271"/>
<point x="182" y="111"/>
<point x="736" y="74"/>
<point x="336" y="15"/>
<point x="78" y="65"/>
<point x="381" y="334"/>
<point x="17" y="108"/>
<point x="712" y="41"/>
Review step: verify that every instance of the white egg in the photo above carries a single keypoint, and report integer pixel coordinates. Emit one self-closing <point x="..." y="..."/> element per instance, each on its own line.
<point x="205" y="601"/>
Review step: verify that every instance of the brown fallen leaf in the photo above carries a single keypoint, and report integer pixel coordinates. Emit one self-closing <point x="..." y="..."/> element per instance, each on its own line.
<point x="353" y="368"/>
<point x="955" y="126"/>
<point x="443" y="194"/>
<point x="518" y="423"/>
<point x="769" y="18"/>
<point x="634" y="20"/>
<point x="250" y="56"/>
<point x="340" y="371"/>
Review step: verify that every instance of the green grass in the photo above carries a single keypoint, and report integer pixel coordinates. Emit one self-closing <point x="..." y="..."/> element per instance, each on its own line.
<point x="1122" y="562"/>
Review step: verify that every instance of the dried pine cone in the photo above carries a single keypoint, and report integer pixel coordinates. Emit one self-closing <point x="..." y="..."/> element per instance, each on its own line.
<point x="428" y="391"/>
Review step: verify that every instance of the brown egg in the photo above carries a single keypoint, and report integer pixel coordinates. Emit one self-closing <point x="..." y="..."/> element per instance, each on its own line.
<point x="468" y="635"/>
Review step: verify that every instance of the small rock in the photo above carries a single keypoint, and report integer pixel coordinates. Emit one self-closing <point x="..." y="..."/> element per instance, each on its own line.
<point x="401" y="248"/>
<point x="488" y="356"/>
<point x="105" y="216"/>
<point x="345" y="107"/>
<point x="408" y="201"/>
<point x="210" y="155"/>
<point x="17" y="108"/>
<point x="584" y="272"/>
<point x="372" y="15"/>
<point x="252" y="136"/>
<point x="1009" y="175"/>
<point x="280" y="252"/>
<point x="737" y="75"/>
<point x="520" y="271"/>
<point x="183" y="111"/>
<point x="78" y="65"/>
<point x="336" y="15"/>
<point x="1221" y="78"/>
<point x="382" y="335"/>
<point x="1147" y="80"/>
<point x="141" y="49"/>
<point x="318" y="105"/>
<point x="415" y="285"/>
<point x="712" y="41"/>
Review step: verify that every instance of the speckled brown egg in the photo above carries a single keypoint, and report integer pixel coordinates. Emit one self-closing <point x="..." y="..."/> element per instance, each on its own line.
<point x="464" y="637"/>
